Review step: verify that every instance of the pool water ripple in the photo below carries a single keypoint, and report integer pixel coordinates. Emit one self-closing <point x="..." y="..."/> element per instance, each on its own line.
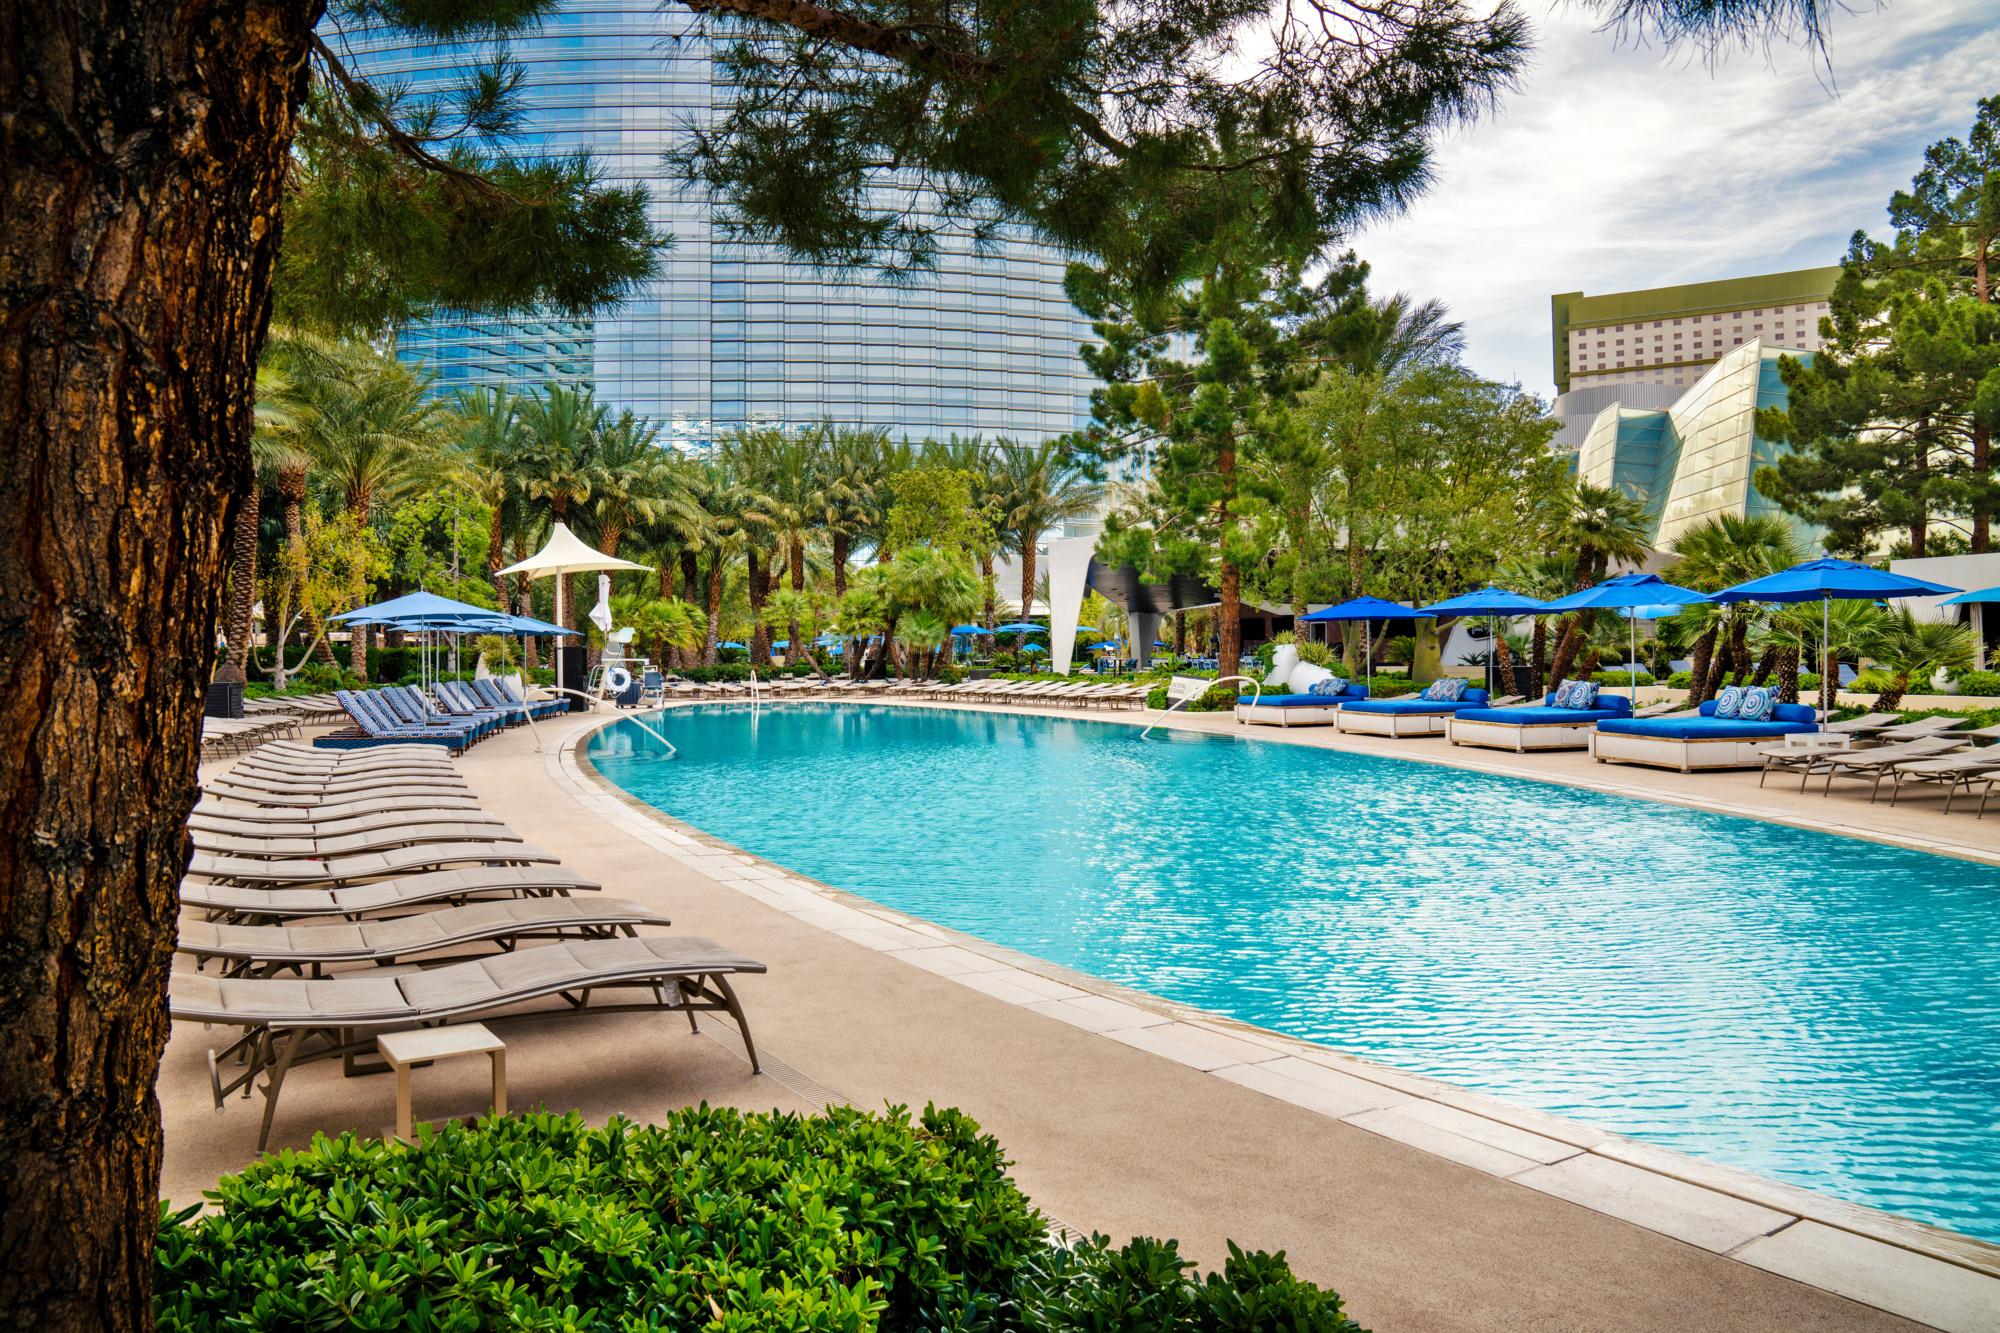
<point x="1818" y="1009"/>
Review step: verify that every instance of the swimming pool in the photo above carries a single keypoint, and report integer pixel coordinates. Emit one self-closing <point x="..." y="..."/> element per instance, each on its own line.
<point x="1818" y="1009"/>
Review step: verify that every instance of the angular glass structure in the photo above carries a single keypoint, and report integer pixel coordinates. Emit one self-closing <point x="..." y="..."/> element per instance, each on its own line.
<point x="734" y="334"/>
<point x="1696" y="459"/>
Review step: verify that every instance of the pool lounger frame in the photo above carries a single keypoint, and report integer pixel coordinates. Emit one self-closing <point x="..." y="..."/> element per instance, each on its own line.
<point x="227" y="902"/>
<point x="288" y="1022"/>
<point x="1682" y="753"/>
<point x="1395" y="725"/>
<point x="1520" y="737"/>
<point x="1302" y="715"/>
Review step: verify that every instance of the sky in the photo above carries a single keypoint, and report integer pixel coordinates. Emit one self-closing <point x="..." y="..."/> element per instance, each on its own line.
<point x="1614" y="168"/>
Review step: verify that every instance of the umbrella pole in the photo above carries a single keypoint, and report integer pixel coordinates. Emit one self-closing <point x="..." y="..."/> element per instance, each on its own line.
<point x="1829" y="681"/>
<point x="1632" y="623"/>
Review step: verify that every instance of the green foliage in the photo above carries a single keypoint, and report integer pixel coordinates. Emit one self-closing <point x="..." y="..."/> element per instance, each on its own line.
<point x="437" y="541"/>
<point x="1620" y="677"/>
<point x="1892" y="420"/>
<point x="1983" y="684"/>
<point x="715" y="1219"/>
<point x="933" y="507"/>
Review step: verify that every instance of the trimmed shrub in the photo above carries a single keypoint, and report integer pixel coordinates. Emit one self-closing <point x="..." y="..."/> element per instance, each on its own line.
<point x="1622" y="677"/>
<point x="1980" y="683"/>
<point x="715" y="1220"/>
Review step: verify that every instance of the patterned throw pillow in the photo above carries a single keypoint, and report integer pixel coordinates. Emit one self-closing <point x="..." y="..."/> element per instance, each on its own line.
<point x="1560" y="699"/>
<point x="1728" y="701"/>
<point x="1583" y="694"/>
<point x="1445" y="690"/>
<point x="1331" y="685"/>
<point x="1756" y="705"/>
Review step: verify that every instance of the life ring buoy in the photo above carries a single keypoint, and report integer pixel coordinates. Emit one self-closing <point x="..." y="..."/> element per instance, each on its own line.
<point x="617" y="680"/>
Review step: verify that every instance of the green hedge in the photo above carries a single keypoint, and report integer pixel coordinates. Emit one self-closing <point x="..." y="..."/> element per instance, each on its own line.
<point x="715" y="1220"/>
<point x="1983" y="683"/>
<point x="1621" y="677"/>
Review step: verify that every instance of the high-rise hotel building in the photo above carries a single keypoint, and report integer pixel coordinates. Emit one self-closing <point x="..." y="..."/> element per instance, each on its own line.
<point x="733" y="334"/>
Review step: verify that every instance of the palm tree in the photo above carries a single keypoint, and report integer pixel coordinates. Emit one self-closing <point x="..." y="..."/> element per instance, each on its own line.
<point x="370" y="430"/>
<point x="1912" y="649"/>
<point x="1041" y="487"/>
<point x="1714" y="554"/>
<point x="1544" y="578"/>
<point x="560" y="427"/>
<point x="272" y="421"/>
<point x="488" y="455"/>
<point x="853" y="480"/>
<point x="1603" y="525"/>
<point x="751" y="456"/>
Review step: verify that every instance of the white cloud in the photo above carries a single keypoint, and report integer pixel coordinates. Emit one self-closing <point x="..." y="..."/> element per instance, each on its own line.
<point x="1615" y="168"/>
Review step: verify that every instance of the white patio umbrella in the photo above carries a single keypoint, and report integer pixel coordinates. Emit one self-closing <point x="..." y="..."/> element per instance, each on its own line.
<point x="565" y="553"/>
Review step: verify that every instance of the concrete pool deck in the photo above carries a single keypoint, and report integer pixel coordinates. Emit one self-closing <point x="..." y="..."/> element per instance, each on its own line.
<point x="1428" y="1207"/>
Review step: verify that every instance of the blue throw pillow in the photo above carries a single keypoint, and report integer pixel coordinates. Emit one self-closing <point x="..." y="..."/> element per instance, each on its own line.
<point x="1331" y="685"/>
<point x="1445" y="690"/>
<point x="1756" y="705"/>
<point x="1728" y="700"/>
<point x="1582" y="694"/>
<point x="1563" y="693"/>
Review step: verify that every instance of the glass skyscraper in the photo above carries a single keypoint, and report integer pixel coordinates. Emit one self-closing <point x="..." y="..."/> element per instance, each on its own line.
<point x="733" y="334"/>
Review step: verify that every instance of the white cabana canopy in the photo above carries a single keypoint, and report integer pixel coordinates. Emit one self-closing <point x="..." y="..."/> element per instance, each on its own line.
<point x="565" y="553"/>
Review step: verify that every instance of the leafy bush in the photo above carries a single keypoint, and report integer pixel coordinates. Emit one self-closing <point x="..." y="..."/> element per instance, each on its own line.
<point x="1620" y="677"/>
<point x="1981" y="683"/>
<point x="715" y="1220"/>
<point x="1872" y="681"/>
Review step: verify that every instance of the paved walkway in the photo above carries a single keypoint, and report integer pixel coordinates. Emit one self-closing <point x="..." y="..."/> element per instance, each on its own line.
<point x="1429" y="1209"/>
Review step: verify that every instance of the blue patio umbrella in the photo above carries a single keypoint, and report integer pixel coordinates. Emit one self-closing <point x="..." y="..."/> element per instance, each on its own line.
<point x="1978" y="600"/>
<point x="1631" y="594"/>
<point x="730" y="643"/>
<point x="1825" y="581"/>
<point x="781" y="643"/>
<point x="1034" y="648"/>
<point x="1367" y="610"/>
<point x="1021" y="627"/>
<point x="964" y="631"/>
<point x="1107" y="644"/>
<point x="1488" y="601"/>
<point x="415" y="605"/>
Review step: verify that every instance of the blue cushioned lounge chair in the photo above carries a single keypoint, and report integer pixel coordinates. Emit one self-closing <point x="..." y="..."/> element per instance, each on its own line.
<point x="1704" y="741"/>
<point x="1411" y="716"/>
<point x="462" y="702"/>
<point x="501" y="693"/>
<point x="377" y="726"/>
<point x="1535" y="728"/>
<point x="413" y="708"/>
<point x="1298" y="710"/>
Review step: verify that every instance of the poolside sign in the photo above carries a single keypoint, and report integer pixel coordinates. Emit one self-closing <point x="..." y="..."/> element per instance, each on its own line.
<point x="1182" y="688"/>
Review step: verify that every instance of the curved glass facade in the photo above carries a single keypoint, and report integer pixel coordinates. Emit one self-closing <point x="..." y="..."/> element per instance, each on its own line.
<point x="731" y="333"/>
<point x="1698" y="458"/>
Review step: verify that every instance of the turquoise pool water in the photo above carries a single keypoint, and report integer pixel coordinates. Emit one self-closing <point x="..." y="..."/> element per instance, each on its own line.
<point x="1818" y="1009"/>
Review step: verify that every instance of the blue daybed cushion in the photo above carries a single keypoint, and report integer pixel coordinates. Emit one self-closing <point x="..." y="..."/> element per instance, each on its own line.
<point x="1608" y="706"/>
<point x="1347" y="696"/>
<point x="1786" y="720"/>
<point x="1474" y="698"/>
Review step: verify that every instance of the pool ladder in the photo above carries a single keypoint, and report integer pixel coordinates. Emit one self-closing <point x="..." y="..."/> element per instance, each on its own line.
<point x="1181" y="691"/>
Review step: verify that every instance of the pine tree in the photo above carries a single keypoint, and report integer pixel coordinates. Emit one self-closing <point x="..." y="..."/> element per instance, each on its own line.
<point x="1892" y="421"/>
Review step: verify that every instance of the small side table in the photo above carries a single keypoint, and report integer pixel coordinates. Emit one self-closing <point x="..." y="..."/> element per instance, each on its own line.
<point x="404" y="1051"/>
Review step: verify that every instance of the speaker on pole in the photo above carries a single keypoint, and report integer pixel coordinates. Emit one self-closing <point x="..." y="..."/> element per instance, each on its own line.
<point x="572" y="671"/>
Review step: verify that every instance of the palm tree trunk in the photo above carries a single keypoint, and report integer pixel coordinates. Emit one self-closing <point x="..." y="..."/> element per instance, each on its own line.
<point x="1180" y="633"/>
<point x="986" y="579"/>
<point x="840" y="541"/>
<point x="1538" y="674"/>
<point x="1504" y="657"/>
<point x="709" y="649"/>
<point x="242" y="585"/>
<point x="1767" y="662"/>
<point x="358" y="505"/>
<point x="1704" y="653"/>
<point x="794" y="650"/>
<point x="1891" y="698"/>
<point x="1788" y="675"/>
<point x="1567" y="646"/>
<point x="760" y="587"/>
<point x="1027" y="576"/>
<point x="495" y="555"/>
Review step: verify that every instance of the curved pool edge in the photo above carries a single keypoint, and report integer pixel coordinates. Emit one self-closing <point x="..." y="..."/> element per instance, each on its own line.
<point x="1755" y="1219"/>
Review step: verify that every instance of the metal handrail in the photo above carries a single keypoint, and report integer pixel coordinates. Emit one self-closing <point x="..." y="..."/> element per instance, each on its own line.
<point x="1257" y="694"/>
<point x="590" y="702"/>
<point x="756" y="697"/>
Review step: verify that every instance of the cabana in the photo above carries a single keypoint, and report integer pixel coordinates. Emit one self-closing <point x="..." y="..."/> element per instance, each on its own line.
<point x="1426" y="714"/>
<point x="1544" y="726"/>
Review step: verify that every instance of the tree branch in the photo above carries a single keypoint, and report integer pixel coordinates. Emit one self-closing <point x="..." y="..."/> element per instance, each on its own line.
<point x="365" y="103"/>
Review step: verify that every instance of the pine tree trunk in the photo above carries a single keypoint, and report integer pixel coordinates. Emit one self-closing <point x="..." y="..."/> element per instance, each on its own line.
<point x="142" y="153"/>
<point x="1229" y="644"/>
<point x="1982" y="466"/>
<point x="242" y="585"/>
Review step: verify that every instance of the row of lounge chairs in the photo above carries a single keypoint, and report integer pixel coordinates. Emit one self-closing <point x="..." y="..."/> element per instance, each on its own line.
<point x="453" y="714"/>
<point x="1877" y="747"/>
<point x="233" y="735"/>
<point x="1064" y="694"/>
<point x="308" y="706"/>
<point x="333" y="897"/>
